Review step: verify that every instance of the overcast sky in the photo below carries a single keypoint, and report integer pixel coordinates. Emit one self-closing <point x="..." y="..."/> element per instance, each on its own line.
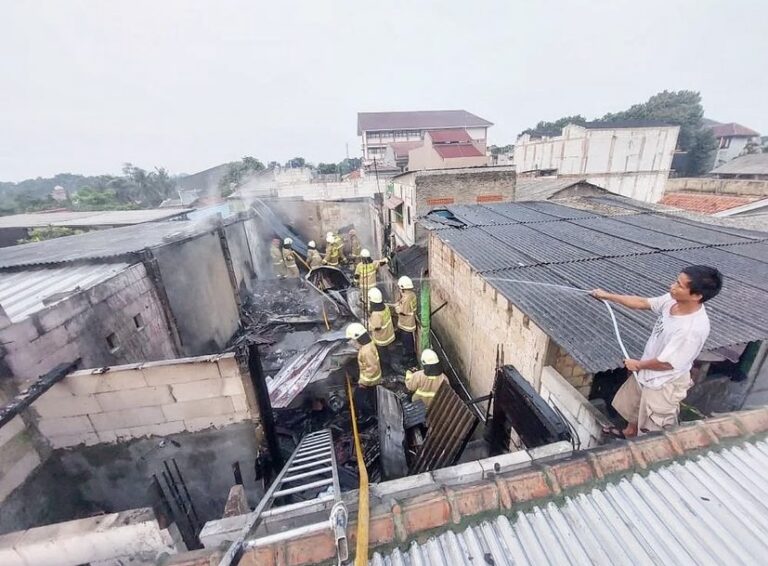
<point x="88" y="85"/>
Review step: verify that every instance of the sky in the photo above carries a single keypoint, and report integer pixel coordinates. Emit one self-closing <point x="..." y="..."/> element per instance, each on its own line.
<point x="86" y="86"/>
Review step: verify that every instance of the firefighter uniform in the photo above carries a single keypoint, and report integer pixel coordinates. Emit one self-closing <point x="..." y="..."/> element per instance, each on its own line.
<point x="355" y="247"/>
<point x="380" y="326"/>
<point x="278" y="265"/>
<point x="332" y="252"/>
<point x="289" y="259"/>
<point x="425" y="383"/>
<point x="406" y="308"/>
<point x="313" y="258"/>
<point x="369" y="363"/>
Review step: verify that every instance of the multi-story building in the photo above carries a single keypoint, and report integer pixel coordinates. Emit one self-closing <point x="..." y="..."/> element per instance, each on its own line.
<point x="732" y="140"/>
<point x="631" y="158"/>
<point x="380" y="129"/>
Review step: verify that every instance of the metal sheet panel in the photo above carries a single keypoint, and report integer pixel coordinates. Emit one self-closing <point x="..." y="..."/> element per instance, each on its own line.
<point x="712" y="509"/>
<point x="22" y="293"/>
<point x="539" y="246"/>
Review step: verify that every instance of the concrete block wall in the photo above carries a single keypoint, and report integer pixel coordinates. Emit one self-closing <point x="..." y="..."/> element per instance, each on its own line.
<point x="79" y="325"/>
<point x="476" y="319"/>
<point x="19" y="456"/>
<point x="583" y="417"/>
<point x="131" y="401"/>
<point x="133" y="536"/>
<point x="718" y="186"/>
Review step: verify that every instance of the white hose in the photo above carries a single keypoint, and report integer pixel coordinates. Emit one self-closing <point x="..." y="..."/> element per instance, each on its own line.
<point x="616" y="331"/>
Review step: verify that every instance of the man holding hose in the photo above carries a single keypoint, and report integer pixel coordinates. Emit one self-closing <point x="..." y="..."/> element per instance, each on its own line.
<point x="650" y="398"/>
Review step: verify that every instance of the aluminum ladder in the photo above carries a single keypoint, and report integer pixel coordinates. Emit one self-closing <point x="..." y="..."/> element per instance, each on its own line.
<point x="312" y="466"/>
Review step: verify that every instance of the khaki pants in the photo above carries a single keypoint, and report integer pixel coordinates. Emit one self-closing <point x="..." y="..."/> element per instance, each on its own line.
<point x="651" y="409"/>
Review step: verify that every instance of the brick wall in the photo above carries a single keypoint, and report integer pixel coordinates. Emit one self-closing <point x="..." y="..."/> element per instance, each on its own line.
<point x="465" y="187"/>
<point x="79" y="326"/>
<point x="718" y="186"/>
<point x="132" y="401"/>
<point x="573" y="373"/>
<point x="476" y="319"/>
<point x="583" y="417"/>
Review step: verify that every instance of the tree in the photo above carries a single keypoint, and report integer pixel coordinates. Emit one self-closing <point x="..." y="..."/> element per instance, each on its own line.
<point x="554" y="128"/>
<point x="48" y="233"/>
<point x="88" y="198"/>
<point x="502" y="149"/>
<point x="237" y="173"/>
<point x="327" y="168"/>
<point x="296" y="162"/>
<point x="350" y="164"/>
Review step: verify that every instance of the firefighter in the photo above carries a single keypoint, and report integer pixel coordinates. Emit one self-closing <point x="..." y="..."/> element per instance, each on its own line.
<point x="369" y="366"/>
<point x="365" y="271"/>
<point x="332" y="256"/>
<point x="338" y="241"/>
<point x="354" y="247"/>
<point x="278" y="265"/>
<point x="425" y="382"/>
<point x="406" y="317"/>
<point x="313" y="256"/>
<point x="289" y="259"/>
<point x="380" y="326"/>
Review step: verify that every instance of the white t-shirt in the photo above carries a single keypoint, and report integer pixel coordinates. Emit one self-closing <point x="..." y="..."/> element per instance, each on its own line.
<point x="676" y="340"/>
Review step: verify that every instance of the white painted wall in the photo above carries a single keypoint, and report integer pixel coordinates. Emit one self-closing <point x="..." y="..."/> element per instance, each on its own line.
<point x="633" y="162"/>
<point x="735" y="146"/>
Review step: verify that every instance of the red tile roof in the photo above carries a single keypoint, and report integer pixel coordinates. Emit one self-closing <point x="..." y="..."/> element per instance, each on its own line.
<point x="733" y="129"/>
<point x="705" y="203"/>
<point x="449" y="151"/>
<point x="448" y="136"/>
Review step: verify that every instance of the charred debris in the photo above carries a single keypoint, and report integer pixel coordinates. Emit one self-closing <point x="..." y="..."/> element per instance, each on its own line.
<point x="298" y="324"/>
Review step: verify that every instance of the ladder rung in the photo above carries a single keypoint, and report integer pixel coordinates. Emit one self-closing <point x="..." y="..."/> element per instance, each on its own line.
<point x="301" y="476"/>
<point x="313" y="458"/>
<point x="313" y="451"/>
<point x="316" y="439"/>
<point x="309" y="465"/>
<point x="300" y="505"/>
<point x="318" y="446"/>
<point x="305" y="487"/>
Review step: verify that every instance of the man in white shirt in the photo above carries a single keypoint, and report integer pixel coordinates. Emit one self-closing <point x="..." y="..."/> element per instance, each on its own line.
<point x="650" y="398"/>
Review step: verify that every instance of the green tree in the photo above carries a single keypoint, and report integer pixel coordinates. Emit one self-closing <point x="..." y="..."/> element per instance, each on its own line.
<point x="88" y="198"/>
<point x="238" y="172"/>
<point x="350" y="164"/>
<point x="327" y="168"/>
<point x="49" y="233"/>
<point x="502" y="149"/>
<point x="554" y="128"/>
<point x="296" y="162"/>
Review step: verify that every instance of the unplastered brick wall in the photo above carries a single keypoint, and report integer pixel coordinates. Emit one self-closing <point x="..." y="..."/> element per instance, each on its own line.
<point x="125" y="308"/>
<point x="583" y="417"/>
<point x="476" y="318"/>
<point x="132" y="401"/>
<point x="466" y="186"/>
<point x="573" y="373"/>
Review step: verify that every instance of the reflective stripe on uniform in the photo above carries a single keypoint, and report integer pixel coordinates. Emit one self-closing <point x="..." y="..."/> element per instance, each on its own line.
<point x="369" y="381"/>
<point x="425" y="393"/>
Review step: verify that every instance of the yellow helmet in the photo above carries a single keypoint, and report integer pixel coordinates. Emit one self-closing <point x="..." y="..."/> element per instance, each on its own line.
<point x="355" y="330"/>
<point x="429" y="357"/>
<point x="405" y="282"/>
<point x="374" y="295"/>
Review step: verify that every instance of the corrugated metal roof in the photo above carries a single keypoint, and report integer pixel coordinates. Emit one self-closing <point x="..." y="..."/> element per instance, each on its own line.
<point x="712" y="509"/>
<point x="23" y="293"/>
<point x="451" y="135"/>
<point x="90" y="218"/>
<point x="99" y="244"/>
<point x="449" y="151"/>
<point x="630" y="254"/>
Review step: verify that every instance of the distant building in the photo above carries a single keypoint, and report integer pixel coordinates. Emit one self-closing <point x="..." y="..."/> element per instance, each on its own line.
<point x="413" y="194"/>
<point x="631" y="159"/>
<point x="732" y="140"/>
<point x="59" y="193"/>
<point x="380" y="129"/>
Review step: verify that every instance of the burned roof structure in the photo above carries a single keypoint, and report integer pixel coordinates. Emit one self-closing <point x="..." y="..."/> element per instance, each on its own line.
<point x="544" y="256"/>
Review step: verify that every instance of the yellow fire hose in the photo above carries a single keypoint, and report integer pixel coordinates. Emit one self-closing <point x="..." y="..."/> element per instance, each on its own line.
<point x="361" y="551"/>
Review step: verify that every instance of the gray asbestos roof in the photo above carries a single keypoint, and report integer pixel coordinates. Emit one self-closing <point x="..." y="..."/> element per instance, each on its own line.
<point x="543" y="256"/>
<point x="544" y="188"/>
<point x="754" y="164"/>
<point x="709" y="510"/>
<point x="90" y="218"/>
<point x="101" y="244"/>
